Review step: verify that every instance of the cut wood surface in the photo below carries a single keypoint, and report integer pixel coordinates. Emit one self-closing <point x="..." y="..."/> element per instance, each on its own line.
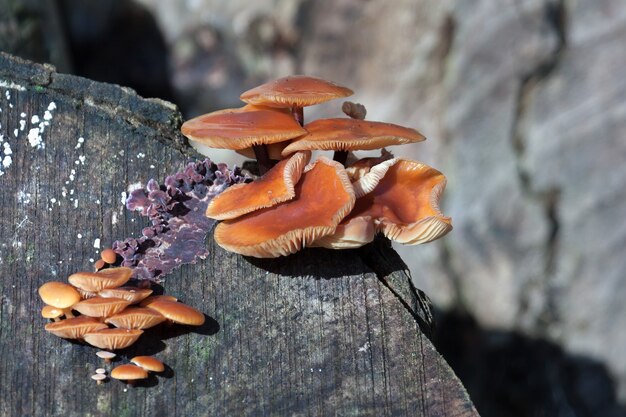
<point x="320" y="333"/>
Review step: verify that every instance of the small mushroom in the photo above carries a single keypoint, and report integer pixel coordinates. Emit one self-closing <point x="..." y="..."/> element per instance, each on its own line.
<point x="59" y="295"/>
<point x="296" y="92"/>
<point x="109" y="256"/>
<point x="129" y="373"/>
<point x="136" y="318"/>
<point x="99" y="378"/>
<point x="276" y="186"/>
<point x="99" y="264"/>
<point x="113" y="339"/>
<point x="49" y="312"/>
<point x="107" y="356"/>
<point x="101" y="306"/>
<point x="101" y="370"/>
<point x="149" y="363"/>
<point x="178" y="312"/>
<point x="324" y="196"/>
<point x="98" y="281"/>
<point x="74" y="328"/>
<point x="132" y="294"/>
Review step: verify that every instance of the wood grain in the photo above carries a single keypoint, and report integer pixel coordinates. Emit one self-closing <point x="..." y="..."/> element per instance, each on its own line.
<point x="319" y="333"/>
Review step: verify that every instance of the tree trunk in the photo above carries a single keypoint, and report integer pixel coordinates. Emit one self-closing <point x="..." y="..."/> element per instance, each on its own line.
<point x="317" y="333"/>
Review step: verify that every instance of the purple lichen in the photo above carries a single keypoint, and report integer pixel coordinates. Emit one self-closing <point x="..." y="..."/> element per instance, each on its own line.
<point x="179" y="226"/>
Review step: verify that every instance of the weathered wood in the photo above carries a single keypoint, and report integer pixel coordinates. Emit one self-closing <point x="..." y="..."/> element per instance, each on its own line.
<point x="318" y="333"/>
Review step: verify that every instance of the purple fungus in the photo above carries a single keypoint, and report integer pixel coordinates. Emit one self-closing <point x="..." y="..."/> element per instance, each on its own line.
<point x="176" y="210"/>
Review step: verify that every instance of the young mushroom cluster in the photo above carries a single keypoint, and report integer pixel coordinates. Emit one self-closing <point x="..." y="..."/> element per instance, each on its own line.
<point x="297" y="203"/>
<point x="103" y="301"/>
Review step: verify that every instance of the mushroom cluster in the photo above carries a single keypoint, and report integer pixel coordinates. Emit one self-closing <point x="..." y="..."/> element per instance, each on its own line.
<point x="296" y="203"/>
<point x="102" y="300"/>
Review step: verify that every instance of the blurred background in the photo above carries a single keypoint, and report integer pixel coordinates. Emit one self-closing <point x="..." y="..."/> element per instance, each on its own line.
<point x="524" y="106"/>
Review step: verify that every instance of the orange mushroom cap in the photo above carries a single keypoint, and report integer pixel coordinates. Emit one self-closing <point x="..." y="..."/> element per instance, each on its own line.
<point x="178" y="312"/>
<point x="74" y="328"/>
<point x="132" y="294"/>
<point x="113" y="339"/>
<point x="49" y="312"/>
<point x="153" y="298"/>
<point x="324" y="196"/>
<point x="128" y="372"/>
<point x="136" y="318"/>
<point x="241" y="128"/>
<point x="97" y="281"/>
<point x="343" y="134"/>
<point x="295" y="90"/>
<point x="58" y="294"/>
<point x="149" y="363"/>
<point x="276" y="186"/>
<point x="101" y="306"/>
<point x="402" y="197"/>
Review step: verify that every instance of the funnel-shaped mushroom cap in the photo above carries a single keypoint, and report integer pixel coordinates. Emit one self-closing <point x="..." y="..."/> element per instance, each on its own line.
<point x="149" y="363"/>
<point x="75" y="328"/>
<point x="113" y="339"/>
<point x="324" y="196"/>
<point x="101" y="306"/>
<point x="242" y="128"/>
<point x="344" y="134"/>
<point x="128" y="372"/>
<point x="276" y="186"/>
<point x="405" y="203"/>
<point x="295" y="90"/>
<point x="136" y="318"/>
<point x="58" y="294"/>
<point x="178" y="312"/>
<point x="98" y="281"/>
<point x="131" y="294"/>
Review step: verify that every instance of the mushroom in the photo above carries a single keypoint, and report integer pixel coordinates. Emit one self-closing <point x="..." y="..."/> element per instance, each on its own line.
<point x="178" y="312"/>
<point x="249" y="126"/>
<point x="112" y="339"/>
<point x="324" y="196"/>
<point x="401" y="197"/>
<point x="136" y="318"/>
<point x="74" y="328"/>
<point x="99" y="378"/>
<point x="99" y="264"/>
<point x="101" y="306"/>
<point x="109" y="256"/>
<point x="276" y="186"/>
<point x="153" y="298"/>
<point x="102" y="370"/>
<point x="98" y="281"/>
<point x="49" y="312"/>
<point x="296" y="92"/>
<point x="107" y="356"/>
<point x="129" y="373"/>
<point x="149" y="363"/>
<point x="343" y="134"/>
<point x="131" y="294"/>
<point x="59" y="295"/>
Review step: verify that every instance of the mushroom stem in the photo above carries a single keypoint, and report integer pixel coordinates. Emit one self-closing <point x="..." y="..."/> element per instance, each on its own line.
<point x="67" y="312"/>
<point x="262" y="158"/>
<point x="298" y="114"/>
<point x="341" y="157"/>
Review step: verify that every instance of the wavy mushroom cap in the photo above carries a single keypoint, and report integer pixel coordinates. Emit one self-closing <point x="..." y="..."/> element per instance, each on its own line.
<point x="403" y="199"/>
<point x="295" y="90"/>
<point x="276" y="186"/>
<point x="98" y="281"/>
<point x="241" y="128"/>
<point x="101" y="306"/>
<point x="58" y="294"/>
<point x="178" y="312"/>
<point x="343" y="134"/>
<point x="75" y="328"/>
<point x="131" y="294"/>
<point x="324" y="196"/>
<point x="113" y="339"/>
<point x="136" y="318"/>
<point x="128" y="372"/>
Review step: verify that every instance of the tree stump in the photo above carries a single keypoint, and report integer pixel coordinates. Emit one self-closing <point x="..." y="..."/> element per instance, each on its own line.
<point x="317" y="333"/>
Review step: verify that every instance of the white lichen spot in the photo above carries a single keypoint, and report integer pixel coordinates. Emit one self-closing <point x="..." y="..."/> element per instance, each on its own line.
<point x="79" y="236"/>
<point x="53" y="200"/>
<point x="15" y="132"/>
<point x="114" y="218"/>
<point x="52" y="106"/>
<point x="7" y="147"/>
<point x="124" y="196"/>
<point x="22" y="115"/>
<point x="47" y="115"/>
<point x="34" y="119"/>
<point x="96" y="243"/>
<point x="152" y="166"/>
<point x="91" y="260"/>
<point x="365" y="347"/>
<point x="82" y="158"/>
<point x="79" y="143"/>
<point x="7" y="94"/>
<point x="34" y="138"/>
<point x="141" y="155"/>
<point x="22" y="125"/>
<point x="76" y="203"/>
